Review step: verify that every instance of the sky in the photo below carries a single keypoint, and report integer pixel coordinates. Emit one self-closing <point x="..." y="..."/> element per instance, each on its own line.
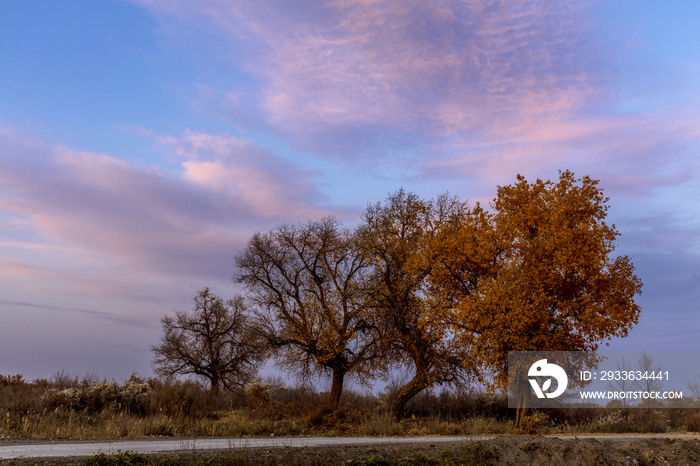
<point x="143" y="142"/>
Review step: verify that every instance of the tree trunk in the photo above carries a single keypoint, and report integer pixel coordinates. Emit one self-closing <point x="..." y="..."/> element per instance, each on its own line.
<point x="337" y="387"/>
<point x="214" y="383"/>
<point x="520" y="414"/>
<point x="408" y="391"/>
<point x="521" y="411"/>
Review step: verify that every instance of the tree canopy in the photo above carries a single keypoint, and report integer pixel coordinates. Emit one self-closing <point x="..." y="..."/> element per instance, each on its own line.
<point x="537" y="274"/>
<point x="394" y="236"/>
<point x="306" y="282"/>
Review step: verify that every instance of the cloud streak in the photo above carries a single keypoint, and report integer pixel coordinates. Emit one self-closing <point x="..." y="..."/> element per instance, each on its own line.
<point x="86" y="312"/>
<point x="269" y="185"/>
<point x="93" y="213"/>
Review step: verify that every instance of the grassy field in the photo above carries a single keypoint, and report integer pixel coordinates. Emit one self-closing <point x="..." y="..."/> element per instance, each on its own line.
<point x="68" y="407"/>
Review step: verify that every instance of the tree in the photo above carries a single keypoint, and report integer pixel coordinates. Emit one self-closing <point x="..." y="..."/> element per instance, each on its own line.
<point x="214" y="342"/>
<point x="648" y="383"/>
<point x="307" y="284"/>
<point x="624" y="384"/>
<point x="536" y="275"/>
<point x="694" y="388"/>
<point x="394" y="236"/>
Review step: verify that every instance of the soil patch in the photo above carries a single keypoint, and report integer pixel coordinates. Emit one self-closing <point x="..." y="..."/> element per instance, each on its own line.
<point x="544" y="451"/>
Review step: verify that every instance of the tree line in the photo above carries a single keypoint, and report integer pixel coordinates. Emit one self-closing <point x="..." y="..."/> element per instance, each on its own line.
<point x="439" y="287"/>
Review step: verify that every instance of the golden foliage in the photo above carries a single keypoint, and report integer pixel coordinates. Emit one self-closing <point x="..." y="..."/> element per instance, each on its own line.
<point x="536" y="275"/>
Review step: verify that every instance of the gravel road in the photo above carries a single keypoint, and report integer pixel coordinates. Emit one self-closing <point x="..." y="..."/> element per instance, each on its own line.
<point x="155" y="446"/>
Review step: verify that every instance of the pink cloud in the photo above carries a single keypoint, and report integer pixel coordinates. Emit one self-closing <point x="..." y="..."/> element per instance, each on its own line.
<point x="270" y="185"/>
<point x="90" y="223"/>
<point x="440" y="67"/>
<point x="632" y="154"/>
<point x="443" y="89"/>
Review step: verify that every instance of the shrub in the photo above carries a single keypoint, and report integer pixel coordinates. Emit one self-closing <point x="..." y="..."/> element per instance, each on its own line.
<point x="127" y="458"/>
<point x="693" y="423"/>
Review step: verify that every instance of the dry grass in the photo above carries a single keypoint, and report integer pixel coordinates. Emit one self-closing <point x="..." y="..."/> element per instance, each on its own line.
<point x="67" y="407"/>
<point x="236" y="423"/>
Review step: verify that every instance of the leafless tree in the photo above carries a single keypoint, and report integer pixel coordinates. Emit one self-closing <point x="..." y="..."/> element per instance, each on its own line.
<point x="694" y="388"/>
<point x="648" y="383"/>
<point x="624" y="384"/>
<point x="213" y="342"/>
<point x="306" y="283"/>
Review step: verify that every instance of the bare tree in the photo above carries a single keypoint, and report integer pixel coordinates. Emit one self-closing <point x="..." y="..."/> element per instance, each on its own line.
<point x="624" y="384"/>
<point x="694" y="388"/>
<point x="648" y="383"/>
<point x="214" y="342"/>
<point x="306" y="282"/>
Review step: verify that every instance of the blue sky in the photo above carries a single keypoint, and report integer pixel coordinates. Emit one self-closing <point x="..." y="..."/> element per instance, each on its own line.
<point x="142" y="143"/>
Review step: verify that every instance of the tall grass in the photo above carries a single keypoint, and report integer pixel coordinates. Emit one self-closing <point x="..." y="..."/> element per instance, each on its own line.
<point x="69" y="407"/>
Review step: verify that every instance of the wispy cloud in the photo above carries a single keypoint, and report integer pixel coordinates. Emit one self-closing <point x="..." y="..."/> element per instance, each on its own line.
<point x="269" y="185"/>
<point x="422" y="69"/>
<point x="633" y="154"/>
<point x="97" y="223"/>
<point x="446" y="90"/>
<point x="484" y="89"/>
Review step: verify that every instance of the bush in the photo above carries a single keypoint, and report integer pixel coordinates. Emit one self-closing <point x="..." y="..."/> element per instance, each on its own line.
<point x="693" y="423"/>
<point x="68" y="407"/>
<point x="131" y="397"/>
<point x="127" y="458"/>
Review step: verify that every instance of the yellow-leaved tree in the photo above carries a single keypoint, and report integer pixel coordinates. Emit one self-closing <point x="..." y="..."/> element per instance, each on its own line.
<point x="537" y="274"/>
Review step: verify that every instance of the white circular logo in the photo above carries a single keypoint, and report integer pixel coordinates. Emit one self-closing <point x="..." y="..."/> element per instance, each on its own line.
<point x="542" y="369"/>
